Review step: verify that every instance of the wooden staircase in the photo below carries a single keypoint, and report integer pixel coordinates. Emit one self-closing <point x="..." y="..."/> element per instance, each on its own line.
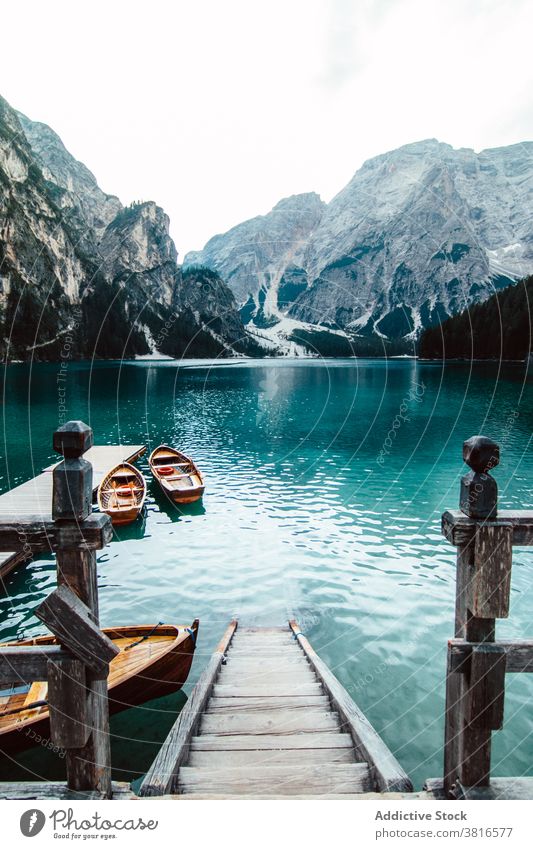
<point x="268" y="719"/>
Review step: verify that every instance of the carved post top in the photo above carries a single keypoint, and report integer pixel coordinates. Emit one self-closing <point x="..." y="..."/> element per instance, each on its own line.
<point x="479" y="491"/>
<point x="73" y="477"/>
<point x="481" y="453"/>
<point x="73" y="439"/>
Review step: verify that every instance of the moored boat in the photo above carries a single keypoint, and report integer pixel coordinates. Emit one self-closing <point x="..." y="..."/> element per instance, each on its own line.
<point x="178" y="476"/>
<point x="154" y="660"/>
<point x="122" y="493"/>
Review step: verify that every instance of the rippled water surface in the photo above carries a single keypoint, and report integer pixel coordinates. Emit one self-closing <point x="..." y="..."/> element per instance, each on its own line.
<point x="325" y="485"/>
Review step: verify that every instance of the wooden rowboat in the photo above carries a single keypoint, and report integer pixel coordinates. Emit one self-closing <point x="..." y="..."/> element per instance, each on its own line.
<point x="178" y="476"/>
<point x="154" y="660"/>
<point x="121" y="494"/>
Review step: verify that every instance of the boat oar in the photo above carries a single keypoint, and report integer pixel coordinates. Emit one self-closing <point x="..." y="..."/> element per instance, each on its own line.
<point x="142" y="639"/>
<point x="31" y="706"/>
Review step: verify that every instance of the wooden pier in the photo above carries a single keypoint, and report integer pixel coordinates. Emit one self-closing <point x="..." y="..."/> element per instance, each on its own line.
<point x="34" y="497"/>
<point x="269" y="719"/>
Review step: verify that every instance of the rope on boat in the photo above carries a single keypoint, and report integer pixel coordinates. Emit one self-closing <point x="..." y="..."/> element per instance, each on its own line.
<point x="298" y="634"/>
<point x="193" y="635"/>
<point x="146" y="636"/>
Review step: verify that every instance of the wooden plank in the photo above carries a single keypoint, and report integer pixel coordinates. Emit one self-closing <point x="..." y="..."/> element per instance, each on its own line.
<point x="58" y="790"/>
<point x="467" y="746"/>
<point x="267" y="654"/>
<point x="71" y="622"/>
<point x="388" y="773"/>
<point x="32" y="532"/>
<point x="518" y="653"/>
<point x="34" y="497"/>
<point x="24" y="664"/>
<point x="324" y="740"/>
<point x="9" y="560"/>
<point x="486" y="687"/>
<point x="67" y="702"/>
<point x="269" y="757"/>
<point x="276" y="689"/>
<point x="249" y="705"/>
<point x="161" y="776"/>
<point x="460" y="529"/>
<point x="300" y="677"/>
<point x="271" y="797"/>
<point x="282" y="780"/>
<point x="274" y="722"/>
<point x="287" y="665"/>
<point x="490" y="583"/>
<point x="89" y="767"/>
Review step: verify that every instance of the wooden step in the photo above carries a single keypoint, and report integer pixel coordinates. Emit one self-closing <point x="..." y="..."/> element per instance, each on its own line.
<point x="269" y="757"/>
<point x="253" y="678"/>
<point x="267" y="654"/>
<point x="266" y="742"/>
<point x="239" y="689"/>
<point x="276" y="722"/>
<point x="262" y="664"/>
<point x="250" y="705"/>
<point x="284" y="780"/>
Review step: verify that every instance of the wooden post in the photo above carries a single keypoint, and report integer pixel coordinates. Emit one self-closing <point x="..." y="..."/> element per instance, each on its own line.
<point x="89" y="766"/>
<point x="467" y="744"/>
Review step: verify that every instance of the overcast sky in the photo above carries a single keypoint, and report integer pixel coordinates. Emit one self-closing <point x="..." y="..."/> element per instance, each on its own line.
<point x="216" y="109"/>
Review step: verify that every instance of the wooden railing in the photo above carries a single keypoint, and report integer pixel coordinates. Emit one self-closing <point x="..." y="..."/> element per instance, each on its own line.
<point x="76" y="670"/>
<point x="477" y="662"/>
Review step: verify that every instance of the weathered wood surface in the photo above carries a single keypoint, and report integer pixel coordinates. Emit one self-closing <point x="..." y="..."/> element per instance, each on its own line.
<point x="40" y="534"/>
<point x="285" y="780"/>
<point x="161" y="776"/>
<point x="271" y="721"/>
<point x="388" y="774"/>
<point x="9" y="560"/>
<point x="467" y="749"/>
<point x="34" y="497"/>
<point x="68" y="704"/>
<point x="270" y="757"/>
<point x="460" y="529"/>
<point x="71" y="621"/>
<point x="476" y="664"/>
<point x="265" y="742"/>
<point x="58" y="790"/>
<point x="486" y="687"/>
<point x="489" y="588"/>
<point x="518" y="653"/>
<point x="72" y="614"/>
<point x="28" y="663"/>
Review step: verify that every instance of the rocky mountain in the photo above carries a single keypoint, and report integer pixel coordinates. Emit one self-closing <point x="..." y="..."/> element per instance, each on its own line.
<point x="418" y="234"/>
<point x="77" y="266"/>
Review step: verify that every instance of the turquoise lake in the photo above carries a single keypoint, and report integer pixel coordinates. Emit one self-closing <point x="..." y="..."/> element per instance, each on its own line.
<point x="325" y="483"/>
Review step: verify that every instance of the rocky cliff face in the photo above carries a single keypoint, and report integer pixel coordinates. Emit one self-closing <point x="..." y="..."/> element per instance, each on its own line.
<point x="261" y="259"/>
<point x="419" y="233"/>
<point x="76" y="265"/>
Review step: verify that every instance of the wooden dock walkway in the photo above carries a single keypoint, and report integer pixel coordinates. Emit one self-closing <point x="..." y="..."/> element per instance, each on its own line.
<point x="269" y="719"/>
<point x="34" y="497"/>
